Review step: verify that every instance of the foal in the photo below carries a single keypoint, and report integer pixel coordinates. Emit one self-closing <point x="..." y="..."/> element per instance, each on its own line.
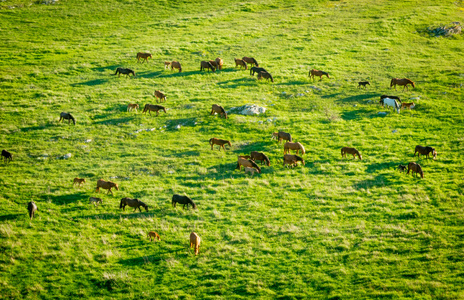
<point x="363" y="83"/>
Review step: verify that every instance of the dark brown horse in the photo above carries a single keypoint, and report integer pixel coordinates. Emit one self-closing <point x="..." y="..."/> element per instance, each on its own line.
<point x="219" y="142"/>
<point x="265" y="75"/>
<point x="363" y="83"/>
<point x="183" y="200"/>
<point x="136" y="203"/>
<point x="401" y="82"/>
<point x="247" y="163"/>
<point x="240" y="62"/>
<point x="255" y="155"/>
<point x="32" y="208"/>
<point x="217" y="109"/>
<point x="7" y="157"/>
<point x="254" y="70"/>
<point x="416" y="168"/>
<point x="292" y="160"/>
<point x="153" y="107"/>
<point x="207" y="65"/>
<point x="176" y="65"/>
<point x="250" y="60"/>
<point x="319" y="73"/>
<point x="353" y="151"/>
<point x="124" y="71"/>
<point x="425" y="151"/>
<point x="281" y="135"/>
<point x="67" y="116"/>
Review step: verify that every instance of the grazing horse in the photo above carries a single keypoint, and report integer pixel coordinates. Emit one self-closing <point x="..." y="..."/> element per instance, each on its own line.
<point x="167" y="64"/>
<point x="292" y="160"/>
<point x="409" y="105"/>
<point x="160" y="95"/>
<point x="182" y="200"/>
<point x="207" y="65"/>
<point x="7" y="157"/>
<point x="153" y="107"/>
<point x="390" y="102"/>
<point x="293" y="146"/>
<point x="221" y="143"/>
<point x="254" y="70"/>
<point x="95" y="201"/>
<point x="176" y="65"/>
<point x="255" y="155"/>
<point x="402" y="82"/>
<point x="265" y="75"/>
<point x="247" y="163"/>
<point x="250" y="60"/>
<point x="153" y="235"/>
<point x="107" y="185"/>
<point x="219" y="63"/>
<point x="282" y="136"/>
<point x="402" y="168"/>
<point x="132" y="106"/>
<point x="363" y="83"/>
<point x="32" y="208"/>
<point x="144" y="56"/>
<point x="416" y="168"/>
<point x="240" y="62"/>
<point x="136" y="203"/>
<point x="124" y="71"/>
<point x="217" y="109"/>
<point x="67" y="116"/>
<point x="315" y="72"/>
<point x="79" y="181"/>
<point x="214" y="64"/>
<point x="353" y="151"/>
<point x="425" y="151"/>
<point x="195" y="242"/>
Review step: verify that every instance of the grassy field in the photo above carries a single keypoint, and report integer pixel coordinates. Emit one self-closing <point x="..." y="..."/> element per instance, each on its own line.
<point x="336" y="228"/>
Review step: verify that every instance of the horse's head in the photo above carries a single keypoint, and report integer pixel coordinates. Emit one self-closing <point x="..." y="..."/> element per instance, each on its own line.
<point x="434" y="153"/>
<point x="228" y="142"/>
<point x="225" y="114"/>
<point x="116" y="186"/>
<point x="194" y="206"/>
<point x="144" y="206"/>
<point x="413" y="85"/>
<point x="164" y="109"/>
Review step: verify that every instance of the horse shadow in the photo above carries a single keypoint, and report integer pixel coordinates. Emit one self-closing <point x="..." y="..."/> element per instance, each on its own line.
<point x="234" y="83"/>
<point x="247" y="148"/>
<point x="91" y="82"/>
<point x="184" y="154"/>
<point x="104" y="69"/>
<point x="13" y="216"/>
<point x="293" y="82"/>
<point x="376" y="167"/>
<point x="150" y="74"/>
<point x="355" y="114"/>
<point x="66" y="199"/>
<point x="356" y="98"/>
<point x="379" y="180"/>
<point x="117" y="107"/>
<point x="115" y="121"/>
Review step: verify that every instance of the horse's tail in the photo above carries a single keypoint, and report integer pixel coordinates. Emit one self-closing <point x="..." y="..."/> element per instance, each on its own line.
<point x="302" y="148"/>
<point x="120" y="204"/>
<point x="211" y="141"/>
<point x="145" y="108"/>
<point x="289" y="137"/>
<point x="255" y="62"/>
<point x="117" y="70"/>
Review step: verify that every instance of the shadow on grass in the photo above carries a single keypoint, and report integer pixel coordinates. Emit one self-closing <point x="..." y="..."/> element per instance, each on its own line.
<point x="182" y="122"/>
<point x="378" y="181"/>
<point x="66" y="199"/>
<point x="91" y="82"/>
<point x="357" y="98"/>
<point x="13" y="216"/>
<point x="237" y="82"/>
<point x="356" y="114"/>
<point x="114" y="121"/>
<point x="294" y="82"/>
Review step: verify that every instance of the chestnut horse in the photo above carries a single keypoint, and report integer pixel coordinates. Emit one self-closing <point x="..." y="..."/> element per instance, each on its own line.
<point x="207" y="65"/>
<point x="136" y="203"/>
<point x="217" y="109"/>
<point x="281" y="135"/>
<point x="195" y="242"/>
<point x="416" y="168"/>
<point x="409" y="105"/>
<point x="247" y="163"/>
<point x="315" y="72"/>
<point x="351" y="151"/>
<point x="153" y="235"/>
<point x="152" y="107"/>
<point x="132" y="106"/>
<point x="32" y="208"/>
<point x="67" y="116"/>
<point x="219" y="142"/>
<point x="182" y="200"/>
<point x="160" y="95"/>
<point x="265" y="75"/>
<point x="240" y="62"/>
<point x="107" y="185"/>
<point x="250" y="60"/>
<point x="219" y="63"/>
<point x="425" y="151"/>
<point x="293" y="146"/>
<point x="176" y="65"/>
<point x="144" y="56"/>
<point x="254" y="155"/>
<point x="124" y="71"/>
<point x="402" y="82"/>
<point x="292" y="160"/>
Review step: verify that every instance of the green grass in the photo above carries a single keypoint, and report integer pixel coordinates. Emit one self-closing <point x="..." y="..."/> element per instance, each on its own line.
<point x="333" y="229"/>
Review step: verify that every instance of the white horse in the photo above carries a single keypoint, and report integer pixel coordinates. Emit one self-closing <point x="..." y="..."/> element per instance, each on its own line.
<point x="391" y="102"/>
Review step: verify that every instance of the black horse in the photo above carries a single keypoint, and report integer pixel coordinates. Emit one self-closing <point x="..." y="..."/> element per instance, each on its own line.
<point x="132" y="203"/>
<point x="124" y="71"/>
<point x="7" y="157"/>
<point x="67" y="116"/>
<point x="182" y="200"/>
<point x="254" y="70"/>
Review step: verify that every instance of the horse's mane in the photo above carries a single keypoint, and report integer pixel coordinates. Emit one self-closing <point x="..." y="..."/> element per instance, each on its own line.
<point x="255" y="166"/>
<point x="302" y="148"/>
<point x="255" y="62"/>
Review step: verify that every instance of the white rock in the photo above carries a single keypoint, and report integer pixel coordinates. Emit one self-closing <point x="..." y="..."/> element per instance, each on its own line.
<point x="67" y="156"/>
<point x="178" y="126"/>
<point x="248" y="110"/>
<point x="395" y="131"/>
<point x="415" y="98"/>
<point x="88" y="141"/>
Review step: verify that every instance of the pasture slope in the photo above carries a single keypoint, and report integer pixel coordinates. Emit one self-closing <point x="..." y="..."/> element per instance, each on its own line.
<point x="333" y="229"/>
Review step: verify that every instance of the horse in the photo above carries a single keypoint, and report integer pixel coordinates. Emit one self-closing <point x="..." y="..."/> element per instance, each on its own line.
<point x="132" y="106"/>
<point x="176" y="65"/>
<point x="79" y="181"/>
<point x="402" y="81"/>
<point x="240" y="62"/>
<point x="214" y="64"/>
<point x="206" y="65"/>
<point x="160" y="95"/>
<point x="282" y="136"/>
<point x="217" y="109"/>
<point x="391" y="97"/>
<point x="353" y="151"/>
<point x="7" y="157"/>
<point x="402" y="168"/>
<point x="409" y="105"/>
<point x="195" y="242"/>
<point x="315" y="72"/>
<point x="363" y="83"/>
<point x="153" y="107"/>
<point x="265" y="75"/>
<point x="124" y="71"/>
<point x="107" y="185"/>
<point x="252" y="171"/>
<point x="221" y="143"/>
<point x="391" y="102"/>
<point x="182" y="200"/>
<point x="219" y="63"/>
<point x="292" y="160"/>
<point x="153" y="235"/>
<point x="254" y="70"/>
<point x="247" y="163"/>
<point x="260" y="156"/>
<point x="425" y="151"/>
<point x="167" y="64"/>
<point x="250" y="60"/>
<point x="416" y="168"/>
<point x="32" y="208"/>
<point x="244" y="156"/>
<point x="144" y="56"/>
<point x="293" y="146"/>
<point x="67" y="116"/>
<point x="95" y="201"/>
<point x="132" y="203"/>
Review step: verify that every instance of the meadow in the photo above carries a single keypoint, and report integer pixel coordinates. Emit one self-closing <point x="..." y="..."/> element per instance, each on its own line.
<point x="335" y="228"/>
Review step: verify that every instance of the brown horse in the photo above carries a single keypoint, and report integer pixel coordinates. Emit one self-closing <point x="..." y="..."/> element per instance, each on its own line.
<point x="132" y="106"/>
<point x="153" y="235"/>
<point x="402" y="82"/>
<point x="124" y="71"/>
<point x="425" y="151"/>
<point x="240" y="62"/>
<point x="160" y="95"/>
<point x="409" y="105"/>
<point x="107" y="185"/>
<point x="144" y="57"/>
<point x="214" y="64"/>
<point x="207" y="65"/>
<point x="250" y="60"/>
<point x="195" y="242"/>
<point x="217" y="109"/>
<point x="79" y="181"/>
<point x="67" y="116"/>
<point x="155" y="108"/>
<point x="219" y="63"/>
<point x="260" y="156"/>
<point x="7" y="157"/>
<point x="247" y="163"/>
<point x="254" y="70"/>
<point x="351" y="151"/>
<point x="281" y="135"/>
<point x="182" y="200"/>
<point x="315" y="72"/>
<point x="416" y="168"/>
<point x="265" y="75"/>
<point x="293" y="146"/>
<point x="244" y="156"/>
<point x="167" y="64"/>
<point x="363" y="83"/>
<point x="31" y="208"/>
<point x="136" y="203"/>
<point x="292" y="160"/>
<point x="219" y="142"/>
<point x="176" y="65"/>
